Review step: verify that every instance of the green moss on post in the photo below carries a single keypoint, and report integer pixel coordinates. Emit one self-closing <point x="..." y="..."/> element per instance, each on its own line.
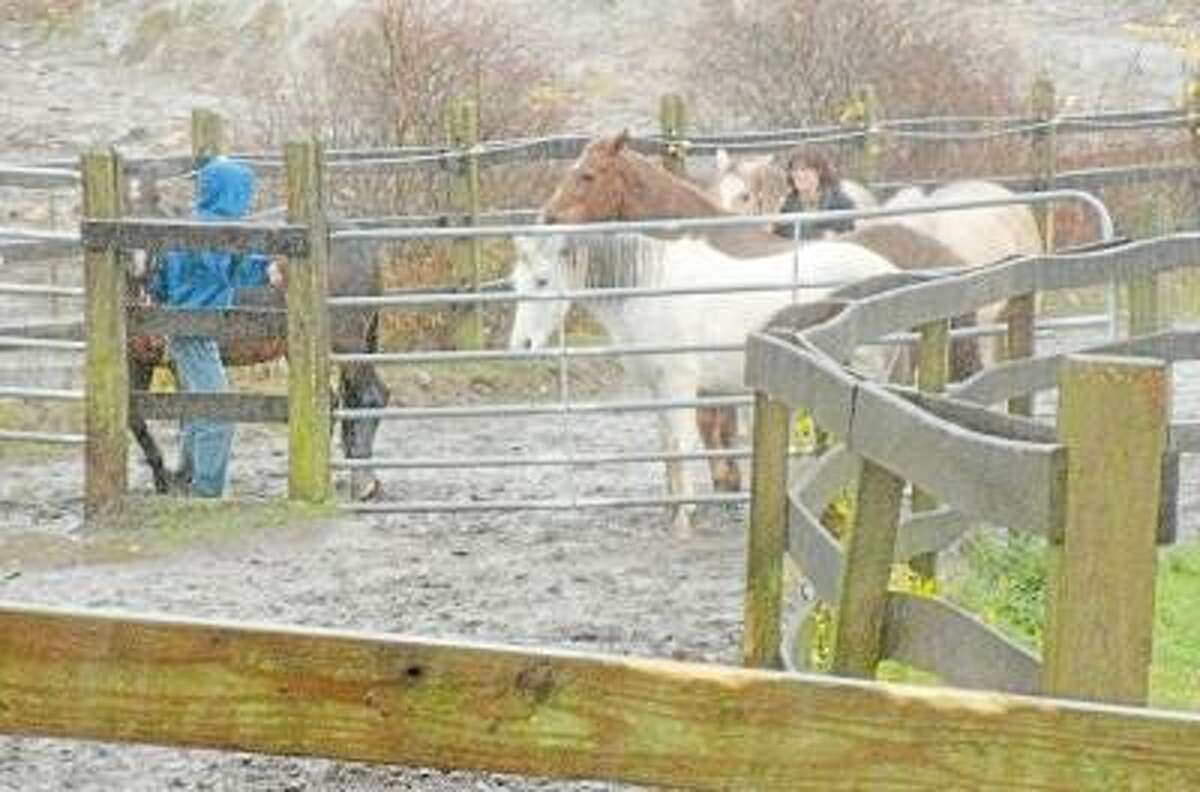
<point x="309" y="476"/>
<point x="208" y="134"/>
<point x="1112" y="416"/>
<point x="933" y="371"/>
<point x="768" y="534"/>
<point x="106" y="367"/>
<point x="870" y="548"/>
<point x="466" y="254"/>
<point x="672" y="123"/>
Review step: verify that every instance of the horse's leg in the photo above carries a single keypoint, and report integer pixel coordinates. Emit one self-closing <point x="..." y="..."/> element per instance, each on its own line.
<point x="361" y="386"/>
<point x="718" y="429"/>
<point x="140" y="375"/>
<point x="680" y="434"/>
<point x="966" y="357"/>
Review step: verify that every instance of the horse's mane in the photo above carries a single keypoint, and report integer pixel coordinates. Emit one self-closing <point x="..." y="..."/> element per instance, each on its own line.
<point x="675" y="197"/>
<point x="615" y="261"/>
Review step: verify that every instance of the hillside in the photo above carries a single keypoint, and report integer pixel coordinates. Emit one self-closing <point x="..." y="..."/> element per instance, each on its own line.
<point x="74" y="72"/>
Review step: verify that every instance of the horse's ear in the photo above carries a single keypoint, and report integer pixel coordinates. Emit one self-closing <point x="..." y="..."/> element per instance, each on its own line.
<point x="723" y="162"/>
<point x="620" y="140"/>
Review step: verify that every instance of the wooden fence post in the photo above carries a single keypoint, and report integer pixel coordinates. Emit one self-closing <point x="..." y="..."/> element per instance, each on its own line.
<point x="933" y="372"/>
<point x="1022" y="310"/>
<point x="767" y="539"/>
<point x="309" y="418"/>
<point x="1187" y="282"/>
<point x="864" y="111"/>
<point x="208" y="134"/>
<point x="106" y="400"/>
<point x="1112" y="416"/>
<point x="1145" y="308"/>
<point x="672" y="122"/>
<point x="862" y="596"/>
<point x="466" y="255"/>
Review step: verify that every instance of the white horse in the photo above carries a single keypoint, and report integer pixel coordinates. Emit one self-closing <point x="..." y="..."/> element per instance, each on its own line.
<point x="547" y="265"/>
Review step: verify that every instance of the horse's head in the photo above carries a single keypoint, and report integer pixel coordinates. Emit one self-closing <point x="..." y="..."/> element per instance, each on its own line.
<point x="754" y="185"/>
<point x="541" y="268"/>
<point x="594" y="188"/>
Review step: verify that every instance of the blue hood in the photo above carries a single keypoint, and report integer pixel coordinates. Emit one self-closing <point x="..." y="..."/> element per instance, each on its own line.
<point x="223" y="189"/>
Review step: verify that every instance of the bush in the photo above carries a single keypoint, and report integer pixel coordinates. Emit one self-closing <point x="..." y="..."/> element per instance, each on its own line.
<point x="793" y="63"/>
<point x="387" y="76"/>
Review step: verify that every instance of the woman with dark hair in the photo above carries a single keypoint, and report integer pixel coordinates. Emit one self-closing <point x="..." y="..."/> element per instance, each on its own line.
<point x="813" y="185"/>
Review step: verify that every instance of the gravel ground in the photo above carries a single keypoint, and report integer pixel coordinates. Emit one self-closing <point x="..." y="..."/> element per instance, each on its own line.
<point x="611" y="581"/>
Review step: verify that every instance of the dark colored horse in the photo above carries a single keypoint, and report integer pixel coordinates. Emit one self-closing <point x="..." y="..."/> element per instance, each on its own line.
<point x="353" y="271"/>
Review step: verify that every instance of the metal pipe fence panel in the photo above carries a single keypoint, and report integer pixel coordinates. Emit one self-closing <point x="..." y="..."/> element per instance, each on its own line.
<point x="566" y="408"/>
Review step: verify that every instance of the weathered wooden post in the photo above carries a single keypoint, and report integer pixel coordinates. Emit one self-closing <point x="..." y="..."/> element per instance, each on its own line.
<point x="208" y="134"/>
<point x="672" y="124"/>
<point x="309" y="476"/>
<point x="1112" y="416"/>
<point x="1022" y="310"/>
<point x="933" y="372"/>
<point x="767" y="540"/>
<point x="1187" y="283"/>
<point x="106" y="400"/>
<point x="862" y="595"/>
<point x="466" y="255"/>
<point x="1145" y="308"/>
<point x="864" y="111"/>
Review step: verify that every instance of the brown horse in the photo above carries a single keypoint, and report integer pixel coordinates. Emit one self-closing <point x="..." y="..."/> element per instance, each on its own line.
<point x="611" y="182"/>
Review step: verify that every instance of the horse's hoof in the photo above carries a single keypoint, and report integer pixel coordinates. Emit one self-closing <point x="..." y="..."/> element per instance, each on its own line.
<point x="681" y="526"/>
<point x="364" y="486"/>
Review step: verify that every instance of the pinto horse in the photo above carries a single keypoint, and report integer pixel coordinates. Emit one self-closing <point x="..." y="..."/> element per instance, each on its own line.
<point x="353" y="271"/>
<point x="610" y="182"/>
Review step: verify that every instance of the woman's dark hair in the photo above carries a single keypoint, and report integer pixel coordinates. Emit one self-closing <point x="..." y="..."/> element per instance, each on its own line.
<point x="812" y="159"/>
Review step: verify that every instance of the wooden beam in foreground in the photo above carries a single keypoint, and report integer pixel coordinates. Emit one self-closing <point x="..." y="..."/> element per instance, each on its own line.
<point x="388" y="699"/>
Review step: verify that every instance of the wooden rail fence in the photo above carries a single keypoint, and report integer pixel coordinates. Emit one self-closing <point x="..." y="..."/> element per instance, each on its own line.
<point x="1099" y="487"/>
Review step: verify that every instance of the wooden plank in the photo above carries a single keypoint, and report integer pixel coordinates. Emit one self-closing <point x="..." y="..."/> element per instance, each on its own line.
<point x="935" y="636"/>
<point x="106" y="373"/>
<point x="384" y="698"/>
<point x="874" y="317"/>
<point x="815" y="551"/>
<point x="979" y="419"/>
<point x="1012" y="483"/>
<point x="231" y="406"/>
<point x="1022" y="311"/>
<point x="827" y="475"/>
<point x="767" y="534"/>
<point x="801" y="380"/>
<point x="929" y="532"/>
<point x="230" y="323"/>
<point x="1100" y="597"/>
<point x="158" y="234"/>
<point x="309" y="475"/>
<point x="999" y="382"/>
<point x="862" y="593"/>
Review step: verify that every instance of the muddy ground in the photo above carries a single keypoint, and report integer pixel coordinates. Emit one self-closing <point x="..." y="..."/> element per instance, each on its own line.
<point x="610" y="580"/>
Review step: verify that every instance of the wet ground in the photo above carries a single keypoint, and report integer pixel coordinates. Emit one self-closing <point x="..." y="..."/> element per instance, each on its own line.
<point x="608" y="580"/>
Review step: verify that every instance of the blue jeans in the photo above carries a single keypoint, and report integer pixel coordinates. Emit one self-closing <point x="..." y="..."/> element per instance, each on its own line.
<point x="204" y="442"/>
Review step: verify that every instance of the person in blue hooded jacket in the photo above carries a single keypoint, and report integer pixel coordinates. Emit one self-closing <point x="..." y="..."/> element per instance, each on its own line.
<point x="209" y="279"/>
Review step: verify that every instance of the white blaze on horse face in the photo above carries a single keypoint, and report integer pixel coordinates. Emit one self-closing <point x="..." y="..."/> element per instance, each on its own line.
<point x="734" y="194"/>
<point x="539" y="270"/>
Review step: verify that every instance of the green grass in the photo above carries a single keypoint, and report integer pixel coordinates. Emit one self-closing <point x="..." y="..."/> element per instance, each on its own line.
<point x="1004" y="584"/>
